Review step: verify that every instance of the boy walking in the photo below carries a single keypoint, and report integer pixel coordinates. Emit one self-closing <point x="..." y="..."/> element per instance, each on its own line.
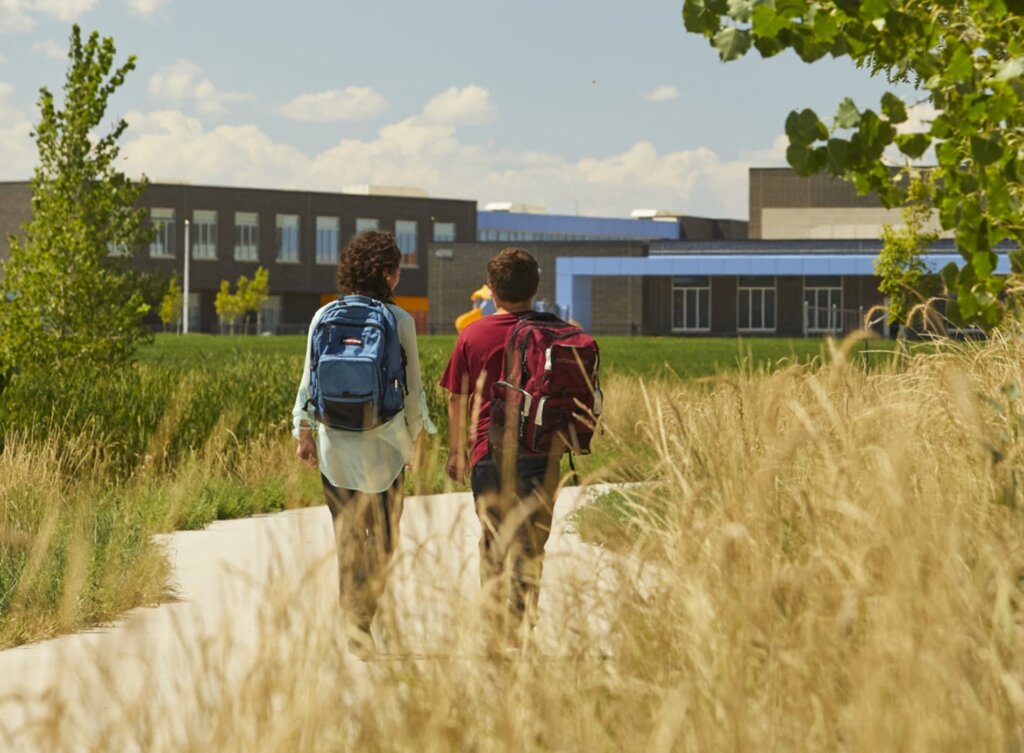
<point x="513" y="491"/>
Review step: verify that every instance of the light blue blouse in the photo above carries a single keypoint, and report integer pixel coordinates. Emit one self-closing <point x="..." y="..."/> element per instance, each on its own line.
<point x="370" y="461"/>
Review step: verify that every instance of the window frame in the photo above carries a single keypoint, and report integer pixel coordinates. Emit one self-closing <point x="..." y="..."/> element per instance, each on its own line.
<point x="204" y="235"/>
<point x="336" y="231"/>
<point x="281" y="235"/>
<point x="242" y="242"/>
<point x="447" y="238"/>
<point x="686" y="289"/>
<point x="410" y="259"/>
<point x="751" y="289"/>
<point x="166" y="232"/>
<point x="818" y="290"/>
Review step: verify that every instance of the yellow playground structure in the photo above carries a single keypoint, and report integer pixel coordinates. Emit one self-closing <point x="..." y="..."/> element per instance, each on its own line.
<point x="483" y="304"/>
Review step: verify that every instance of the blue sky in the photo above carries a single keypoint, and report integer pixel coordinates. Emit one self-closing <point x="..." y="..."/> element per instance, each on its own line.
<point x="594" y="107"/>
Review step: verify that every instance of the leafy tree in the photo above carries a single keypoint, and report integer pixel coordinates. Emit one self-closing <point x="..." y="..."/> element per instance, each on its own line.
<point x="966" y="59"/>
<point x="905" y="276"/>
<point x="247" y="299"/>
<point x="68" y="286"/>
<point x="227" y="305"/>
<point x="253" y="294"/>
<point x="172" y="304"/>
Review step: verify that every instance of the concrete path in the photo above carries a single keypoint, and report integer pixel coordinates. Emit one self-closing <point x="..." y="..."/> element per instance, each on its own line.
<point x="228" y="577"/>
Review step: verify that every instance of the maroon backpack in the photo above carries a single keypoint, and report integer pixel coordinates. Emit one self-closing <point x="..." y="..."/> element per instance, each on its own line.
<point x="549" y="394"/>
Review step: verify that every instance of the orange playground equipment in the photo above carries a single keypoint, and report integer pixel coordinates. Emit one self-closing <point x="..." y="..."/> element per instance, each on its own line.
<point x="483" y="305"/>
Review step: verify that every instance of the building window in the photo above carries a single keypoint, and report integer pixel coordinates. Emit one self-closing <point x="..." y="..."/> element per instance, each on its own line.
<point x="691" y="304"/>
<point x="270" y="314"/>
<point x="444" y="232"/>
<point x="288" y="238"/>
<point x="405" y="235"/>
<point x="366" y="223"/>
<point x="204" y="234"/>
<point x="328" y="234"/>
<point x="194" y="312"/>
<point x="823" y="303"/>
<point x="247" y="236"/>
<point x="757" y="303"/>
<point x="162" y="245"/>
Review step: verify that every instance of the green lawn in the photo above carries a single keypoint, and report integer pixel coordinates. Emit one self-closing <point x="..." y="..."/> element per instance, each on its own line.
<point x="686" y="357"/>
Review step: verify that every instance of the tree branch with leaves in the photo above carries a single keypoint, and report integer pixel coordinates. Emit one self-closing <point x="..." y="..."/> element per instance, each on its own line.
<point x="966" y="59"/>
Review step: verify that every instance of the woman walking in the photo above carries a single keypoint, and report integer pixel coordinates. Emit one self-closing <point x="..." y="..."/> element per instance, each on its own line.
<point x="362" y="468"/>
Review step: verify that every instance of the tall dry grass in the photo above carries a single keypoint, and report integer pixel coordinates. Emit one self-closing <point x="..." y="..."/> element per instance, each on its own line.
<point x="836" y="563"/>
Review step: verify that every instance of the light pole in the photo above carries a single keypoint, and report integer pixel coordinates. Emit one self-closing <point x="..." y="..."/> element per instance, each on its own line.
<point x="184" y="306"/>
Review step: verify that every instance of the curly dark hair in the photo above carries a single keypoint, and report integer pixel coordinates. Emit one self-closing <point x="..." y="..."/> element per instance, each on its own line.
<point x="513" y="275"/>
<point x="365" y="263"/>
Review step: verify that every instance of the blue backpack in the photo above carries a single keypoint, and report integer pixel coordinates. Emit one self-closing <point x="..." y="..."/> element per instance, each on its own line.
<point x="357" y="365"/>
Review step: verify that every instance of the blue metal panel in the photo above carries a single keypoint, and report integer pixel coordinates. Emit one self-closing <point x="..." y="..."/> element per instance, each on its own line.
<point x="580" y="301"/>
<point x="580" y="227"/>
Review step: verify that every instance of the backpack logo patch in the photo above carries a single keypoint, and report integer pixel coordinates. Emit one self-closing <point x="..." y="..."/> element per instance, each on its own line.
<point x="352" y="341"/>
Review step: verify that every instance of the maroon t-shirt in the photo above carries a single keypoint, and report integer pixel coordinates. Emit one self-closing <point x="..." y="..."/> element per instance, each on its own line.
<point x="475" y="364"/>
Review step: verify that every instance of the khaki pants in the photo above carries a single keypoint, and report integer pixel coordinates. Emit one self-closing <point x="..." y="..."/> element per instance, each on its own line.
<point x="366" y="530"/>
<point x="515" y="517"/>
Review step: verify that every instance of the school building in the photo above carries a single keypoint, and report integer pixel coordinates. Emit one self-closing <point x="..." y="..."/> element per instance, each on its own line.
<point x="802" y="265"/>
<point x="805" y="267"/>
<point x="296" y="235"/>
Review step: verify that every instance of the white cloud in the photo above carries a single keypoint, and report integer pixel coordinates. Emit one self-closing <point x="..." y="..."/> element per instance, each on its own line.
<point x="183" y="81"/>
<point x="468" y="106"/>
<point x="170" y="145"/>
<point x="420" y="151"/>
<point x="352" y="103"/>
<point x="145" y="7"/>
<point x="15" y="139"/>
<point x="919" y="118"/>
<point x="662" y="94"/>
<point x="62" y="10"/>
<point x="51" y="49"/>
<point x="22" y="15"/>
<point x="772" y="156"/>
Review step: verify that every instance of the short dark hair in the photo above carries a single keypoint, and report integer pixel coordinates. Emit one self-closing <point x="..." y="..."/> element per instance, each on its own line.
<point x="513" y="275"/>
<point x="365" y="263"/>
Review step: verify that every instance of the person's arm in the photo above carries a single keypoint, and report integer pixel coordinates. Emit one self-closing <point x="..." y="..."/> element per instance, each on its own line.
<point x="303" y="421"/>
<point x="415" y="399"/>
<point x="306" y="451"/>
<point x="458" y="456"/>
<point x="456" y="380"/>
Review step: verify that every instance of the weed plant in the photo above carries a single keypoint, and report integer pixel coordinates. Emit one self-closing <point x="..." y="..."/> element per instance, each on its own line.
<point x="821" y="559"/>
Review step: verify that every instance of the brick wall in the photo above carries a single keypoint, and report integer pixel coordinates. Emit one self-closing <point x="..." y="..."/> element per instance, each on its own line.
<point x="782" y="188"/>
<point x="462" y="268"/>
<point x="15" y="211"/>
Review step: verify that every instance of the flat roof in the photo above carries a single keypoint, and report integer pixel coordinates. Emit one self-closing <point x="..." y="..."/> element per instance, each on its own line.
<point x="806" y="247"/>
<point x="567" y="224"/>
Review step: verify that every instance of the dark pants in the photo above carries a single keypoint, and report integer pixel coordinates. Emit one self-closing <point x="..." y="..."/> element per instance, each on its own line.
<point x="366" y="530"/>
<point x="515" y="514"/>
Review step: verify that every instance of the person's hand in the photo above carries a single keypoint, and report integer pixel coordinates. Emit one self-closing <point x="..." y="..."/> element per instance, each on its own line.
<point x="306" y="451"/>
<point x="457" y="465"/>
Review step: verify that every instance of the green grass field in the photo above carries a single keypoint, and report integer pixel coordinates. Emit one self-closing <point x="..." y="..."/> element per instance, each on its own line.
<point x="643" y="356"/>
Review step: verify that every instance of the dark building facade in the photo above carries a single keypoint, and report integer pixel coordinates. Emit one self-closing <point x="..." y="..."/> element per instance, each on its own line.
<point x="722" y="288"/>
<point x="458" y="269"/>
<point x="296" y="235"/>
